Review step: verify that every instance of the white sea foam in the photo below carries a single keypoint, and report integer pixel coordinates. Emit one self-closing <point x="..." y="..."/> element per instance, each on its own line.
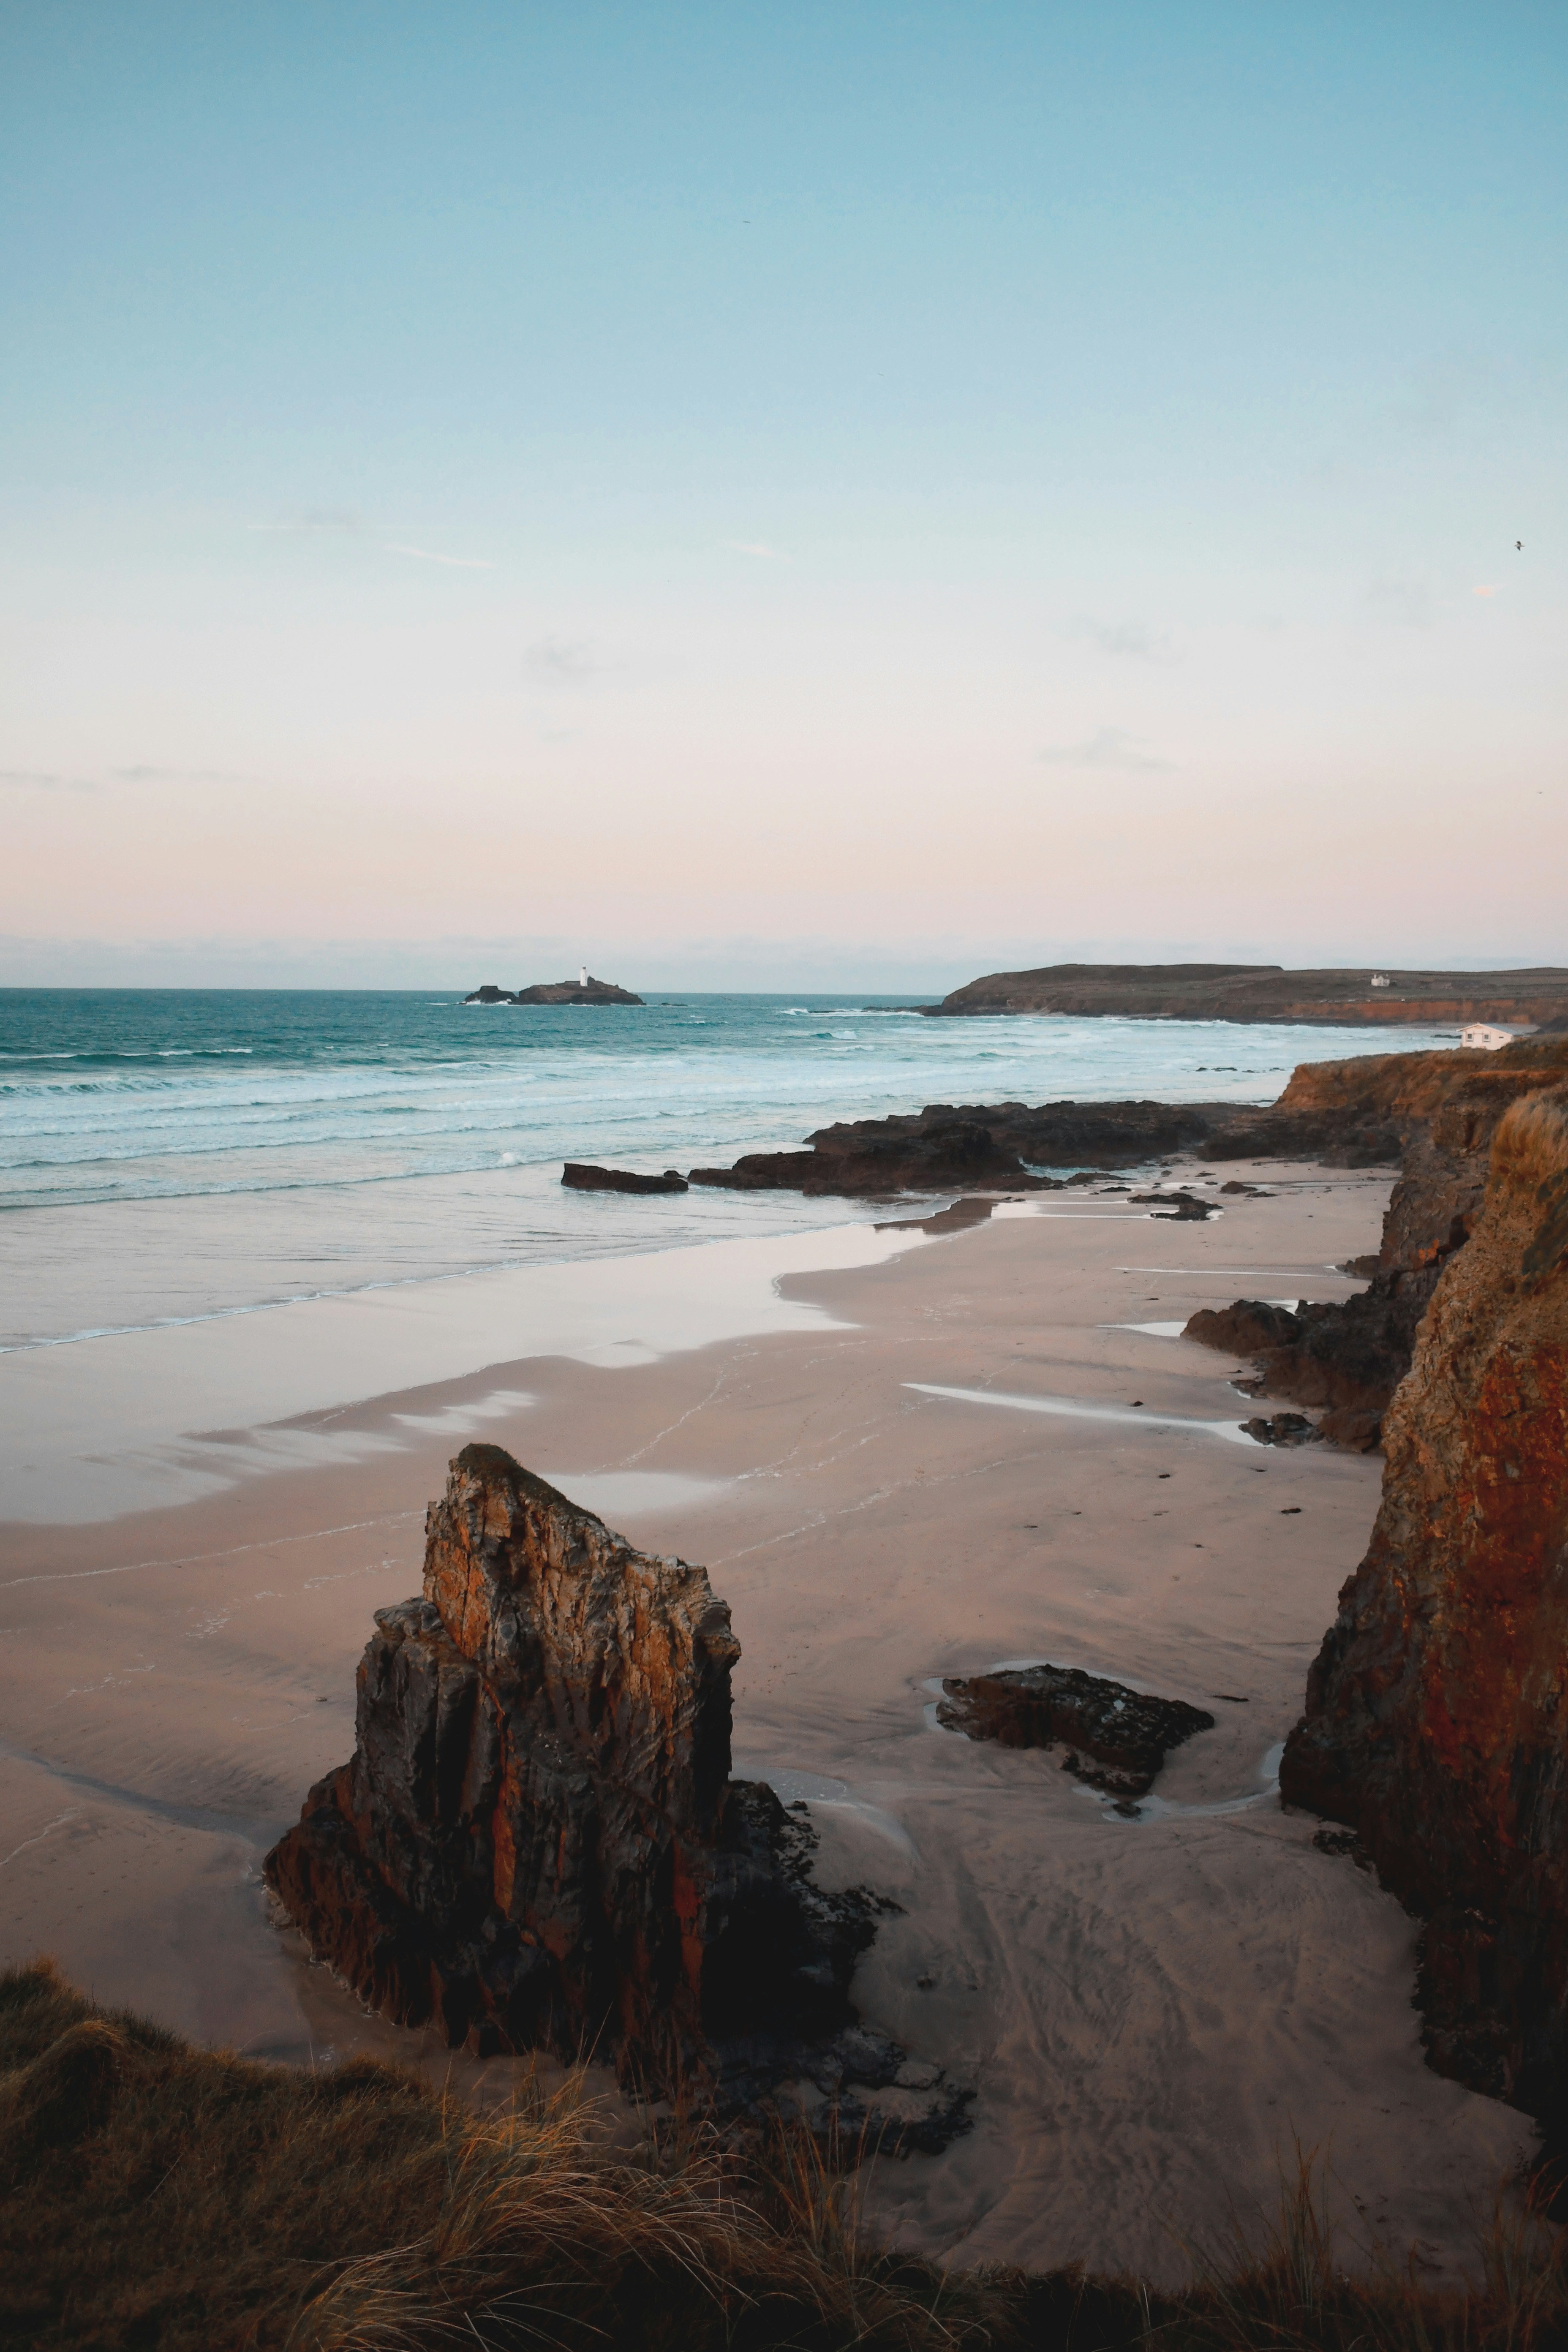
<point x="179" y="1155"/>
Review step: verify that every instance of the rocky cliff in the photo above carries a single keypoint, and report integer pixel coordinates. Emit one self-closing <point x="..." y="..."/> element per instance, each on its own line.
<point x="537" y="1840"/>
<point x="1264" y="991"/>
<point x="1436" y="1717"/>
<point x="1442" y="1109"/>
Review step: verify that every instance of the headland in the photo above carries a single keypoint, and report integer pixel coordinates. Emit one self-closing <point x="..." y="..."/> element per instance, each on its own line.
<point x="1267" y="991"/>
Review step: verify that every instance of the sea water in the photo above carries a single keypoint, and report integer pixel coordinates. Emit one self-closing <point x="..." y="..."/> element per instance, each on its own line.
<point x="170" y="1155"/>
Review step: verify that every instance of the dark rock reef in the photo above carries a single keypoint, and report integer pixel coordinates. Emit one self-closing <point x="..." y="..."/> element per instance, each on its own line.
<point x="948" y="1148"/>
<point x="537" y="1840"/>
<point x="1181" y="1204"/>
<point x="581" y="1176"/>
<point x="1437" y="1719"/>
<point x="1116" y="1739"/>
<point x="555" y="991"/>
<point x="1264" y="991"/>
<point x="1436" y="1110"/>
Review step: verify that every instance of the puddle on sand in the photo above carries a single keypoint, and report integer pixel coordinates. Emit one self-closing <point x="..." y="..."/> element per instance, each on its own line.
<point x="607" y="1493"/>
<point x="1152" y="1807"/>
<point x="818" y="1790"/>
<point x="1075" y="1409"/>
<point x="1155" y="1808"/>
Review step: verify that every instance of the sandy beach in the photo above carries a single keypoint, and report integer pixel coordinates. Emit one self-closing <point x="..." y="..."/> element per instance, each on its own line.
<point x="901" y="1455"/>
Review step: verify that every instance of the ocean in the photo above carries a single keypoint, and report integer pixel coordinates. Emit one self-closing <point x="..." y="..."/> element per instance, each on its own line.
<point x="170" y="1155"/>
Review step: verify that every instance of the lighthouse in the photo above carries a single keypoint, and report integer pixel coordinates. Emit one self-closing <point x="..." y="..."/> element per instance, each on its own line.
<point x="582" y="975"/>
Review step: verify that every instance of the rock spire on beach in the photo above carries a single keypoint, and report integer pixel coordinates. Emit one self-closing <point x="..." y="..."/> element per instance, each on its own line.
<point x="537" y="1840"/>
<point x="1437" y="1719"/>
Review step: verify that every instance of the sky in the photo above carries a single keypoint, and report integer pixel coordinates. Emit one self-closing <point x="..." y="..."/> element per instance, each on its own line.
<point x="761" y="496"/>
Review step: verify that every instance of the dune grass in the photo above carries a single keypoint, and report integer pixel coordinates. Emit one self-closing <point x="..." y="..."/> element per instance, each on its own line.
<point x="155" y="2197"/>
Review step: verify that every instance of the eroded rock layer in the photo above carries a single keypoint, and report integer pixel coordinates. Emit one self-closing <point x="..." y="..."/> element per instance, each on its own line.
<point x="537" y="1840"/>
<point x="1436" y="1719"/>
<point x="1442" y="1110"/>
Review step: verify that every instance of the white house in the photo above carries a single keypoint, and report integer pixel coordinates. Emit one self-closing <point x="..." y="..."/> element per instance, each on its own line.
<point x="1488" y="1035"/>
<point x="1380" y="980"/>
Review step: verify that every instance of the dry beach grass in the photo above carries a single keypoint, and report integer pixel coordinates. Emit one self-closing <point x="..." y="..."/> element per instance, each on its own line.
<point x="155" y="2195"/>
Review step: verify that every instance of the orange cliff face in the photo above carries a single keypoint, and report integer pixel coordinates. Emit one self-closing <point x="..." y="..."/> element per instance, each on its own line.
<point x="1436" y="1719"/>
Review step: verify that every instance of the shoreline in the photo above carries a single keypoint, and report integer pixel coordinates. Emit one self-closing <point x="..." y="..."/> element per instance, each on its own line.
<point x="1148" y="2008"/>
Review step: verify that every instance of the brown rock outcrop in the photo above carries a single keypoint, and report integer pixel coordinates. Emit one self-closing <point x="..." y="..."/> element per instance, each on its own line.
<point x="1436" y="1717"/>
<point x="537" y="1840"/>
<point x="1116" y="1738"/>
<point x="1351" y="1355"/>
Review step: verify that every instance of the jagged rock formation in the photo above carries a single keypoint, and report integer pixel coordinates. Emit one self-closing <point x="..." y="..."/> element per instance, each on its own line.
<point x="555" y="991"/>
<point x="1444" y="1108"/>
<point x="1264" y="991"/>
<point x="1436" y="1717"/>
<point x="537" y="1840"/>
<point x="1116" y="1738"/>
<point x="945" y="1148"/>
<point x="581" y="1176"/>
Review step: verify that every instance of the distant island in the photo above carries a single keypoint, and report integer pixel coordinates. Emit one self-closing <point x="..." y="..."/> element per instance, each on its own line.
<point x="1266" y="991"/>
<point x="585" y="990"/>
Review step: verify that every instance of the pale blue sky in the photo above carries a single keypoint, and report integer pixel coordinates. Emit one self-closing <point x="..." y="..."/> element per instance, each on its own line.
<point x="719" y="484"/>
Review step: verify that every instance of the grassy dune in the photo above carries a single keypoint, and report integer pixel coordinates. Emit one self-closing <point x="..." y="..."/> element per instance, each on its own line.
<point x="152" y="2195"/>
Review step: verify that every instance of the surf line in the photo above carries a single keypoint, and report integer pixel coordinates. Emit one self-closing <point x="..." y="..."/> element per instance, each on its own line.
<point x="1074" y="1409"/>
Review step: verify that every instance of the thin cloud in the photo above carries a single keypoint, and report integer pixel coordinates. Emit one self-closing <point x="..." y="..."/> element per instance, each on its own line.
<point x="428" y="555"/>
<point x="343" y="522"/>
<point x="1110" y="747"/>
<point x="565" y="661"/>
<point x="757" y="546"/>
<point x="1409" y="602"/>
<point x="1125" y="640"/>
<point x="36" y="779"/>
<point x="1493" y="591"/>
<point x="145" y="775"/>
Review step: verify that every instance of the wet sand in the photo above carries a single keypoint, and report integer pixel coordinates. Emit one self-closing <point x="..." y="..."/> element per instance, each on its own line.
<point x="1150" y="2010"/>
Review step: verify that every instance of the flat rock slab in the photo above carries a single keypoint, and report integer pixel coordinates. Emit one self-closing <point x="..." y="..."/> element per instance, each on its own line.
<point x="1116" y="1739"/>
<point x="581" y="1176"/>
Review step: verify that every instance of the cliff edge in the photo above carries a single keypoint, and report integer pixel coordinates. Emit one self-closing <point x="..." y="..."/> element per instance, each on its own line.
<point x="1437" y="1716"/>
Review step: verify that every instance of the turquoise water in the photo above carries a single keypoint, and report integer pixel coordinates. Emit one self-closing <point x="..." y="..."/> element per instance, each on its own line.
<point x="165" y="1154"/>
